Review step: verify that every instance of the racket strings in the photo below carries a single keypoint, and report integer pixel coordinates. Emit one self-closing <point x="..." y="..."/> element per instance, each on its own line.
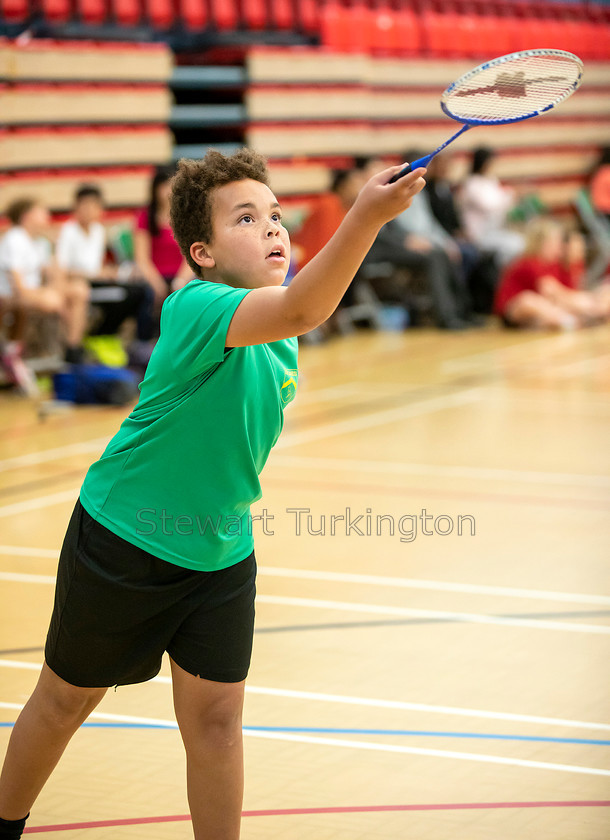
<point x="521" y="86"/>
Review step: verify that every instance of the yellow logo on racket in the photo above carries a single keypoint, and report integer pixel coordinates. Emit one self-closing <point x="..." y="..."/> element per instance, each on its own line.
<point x="289" y="388"/>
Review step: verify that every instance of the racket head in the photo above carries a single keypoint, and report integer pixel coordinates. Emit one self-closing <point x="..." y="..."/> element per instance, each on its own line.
<point x="513" y="87"/>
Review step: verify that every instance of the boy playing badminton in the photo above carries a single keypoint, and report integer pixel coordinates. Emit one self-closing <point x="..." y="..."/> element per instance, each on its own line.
<point x="158" y="555"/>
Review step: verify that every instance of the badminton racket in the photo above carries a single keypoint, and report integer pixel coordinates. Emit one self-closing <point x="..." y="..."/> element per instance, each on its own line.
<point x="508" y="89"/>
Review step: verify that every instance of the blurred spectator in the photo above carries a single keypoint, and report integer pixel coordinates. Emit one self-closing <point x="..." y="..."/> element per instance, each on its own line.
<point x="326" y="213"/>
<point x="416" y="241"/>
<point x="440" y="194"/>
<point x="81" y="252"/>
<point x="484" y="205"/>
<point x="31" y="282"/>
<point x="156" y="252"/>
<point x="480" y="268"/>
<point x="600" y="184"/>
<point x="541" y="288"/>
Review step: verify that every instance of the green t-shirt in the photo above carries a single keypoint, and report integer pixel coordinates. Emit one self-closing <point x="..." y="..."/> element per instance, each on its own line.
<point x="179" y="476"/>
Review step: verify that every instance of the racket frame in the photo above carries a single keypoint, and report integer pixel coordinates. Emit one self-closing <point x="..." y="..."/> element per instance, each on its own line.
<point x="502" y="60"/>
<point x="470" y="122"/>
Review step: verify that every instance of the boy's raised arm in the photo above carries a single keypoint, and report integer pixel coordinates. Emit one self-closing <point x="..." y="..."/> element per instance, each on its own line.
<point x="272" y="313"/>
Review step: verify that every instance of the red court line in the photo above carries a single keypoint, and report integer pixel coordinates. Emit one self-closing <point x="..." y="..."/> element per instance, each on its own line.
<point x="346" y="809"/>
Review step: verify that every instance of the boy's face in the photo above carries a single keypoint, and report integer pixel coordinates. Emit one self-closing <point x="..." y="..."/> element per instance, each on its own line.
<point x="250" y="247"/>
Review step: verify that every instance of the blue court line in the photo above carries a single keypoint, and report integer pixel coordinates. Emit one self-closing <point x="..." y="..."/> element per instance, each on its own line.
<point x="340" y="731"/>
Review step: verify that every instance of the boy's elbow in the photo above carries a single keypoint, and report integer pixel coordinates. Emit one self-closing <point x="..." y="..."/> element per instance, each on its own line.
<point x="304" y="320"/>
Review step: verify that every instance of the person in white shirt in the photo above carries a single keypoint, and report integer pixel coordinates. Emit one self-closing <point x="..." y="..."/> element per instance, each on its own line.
<point x="81" y="253"/>
<point x="485" y="204"/>
<point x="30" y="280"/>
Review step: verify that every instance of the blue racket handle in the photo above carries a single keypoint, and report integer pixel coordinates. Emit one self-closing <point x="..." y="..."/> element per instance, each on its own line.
<point x="410" y="167"/>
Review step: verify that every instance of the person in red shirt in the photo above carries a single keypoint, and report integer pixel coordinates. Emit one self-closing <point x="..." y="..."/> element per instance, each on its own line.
<point x="326" y="214"/>
<point x="156" y="252"/>
<point x="542" y="288"/>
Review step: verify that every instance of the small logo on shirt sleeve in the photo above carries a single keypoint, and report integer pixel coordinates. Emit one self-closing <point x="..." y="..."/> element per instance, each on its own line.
<point x="289" y="388"/>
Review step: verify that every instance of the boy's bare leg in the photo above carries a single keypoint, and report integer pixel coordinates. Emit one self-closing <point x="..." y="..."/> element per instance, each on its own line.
<point x="50" y="718"/>
<point x="209" y="715"/>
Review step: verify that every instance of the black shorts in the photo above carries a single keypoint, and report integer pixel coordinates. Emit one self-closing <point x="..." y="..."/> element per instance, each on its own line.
<point x="118" y="608"/>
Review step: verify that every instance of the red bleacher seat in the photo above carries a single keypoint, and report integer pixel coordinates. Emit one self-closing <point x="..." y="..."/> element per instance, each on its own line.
<point x="439" y="36"/>
<point x="383" y="26"/>
<point x="408" y="32"/>
<point x="91" y="11"/>
<point x="194" y="14"/>
<point x="159" y="12"/>
<point x="332" y="32"/>
<point x="282" y="14"/>
<point x="254" y="14"/>
<point x="56" y="11"/>
<point x="223" y="13"/>
<point x="127" y="12"/>
<point x="14" y="11"/>
<point x="308" y="13"/>
<point x="357" y="23"/>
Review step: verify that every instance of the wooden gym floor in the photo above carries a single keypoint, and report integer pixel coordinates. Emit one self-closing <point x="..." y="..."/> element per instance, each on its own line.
<point x="425" y="685"/>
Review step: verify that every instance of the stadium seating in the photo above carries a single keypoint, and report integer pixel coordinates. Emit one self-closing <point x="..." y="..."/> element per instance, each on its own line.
<point x="223" y="14"/>
<point x="193" y="14"/>
<point x="281" y="14"/>
<point x="91" y="12"/>
<point x="56" y="11"/>
<point x="14" y="11"/>
<point x="126" y="12"/>
<point x="159" y="13"/>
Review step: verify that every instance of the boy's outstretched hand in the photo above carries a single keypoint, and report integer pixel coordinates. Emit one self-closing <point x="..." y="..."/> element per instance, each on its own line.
<point x="379" y="201"/>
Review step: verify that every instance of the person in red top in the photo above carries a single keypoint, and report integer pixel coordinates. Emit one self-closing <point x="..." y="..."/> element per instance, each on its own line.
<point x="327" y="212"/>
<point x="156" y="252"/>
<point x="541" y="288"/>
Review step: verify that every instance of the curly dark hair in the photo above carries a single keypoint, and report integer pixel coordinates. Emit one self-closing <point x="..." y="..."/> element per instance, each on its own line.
<point x="192" y="187"/>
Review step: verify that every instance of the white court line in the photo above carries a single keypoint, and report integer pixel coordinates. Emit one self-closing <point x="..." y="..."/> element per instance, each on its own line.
<point x="360" y="745"/>
<point x="370" y="702"/>
<point x="380" y="418"/>
<point x="434" y="585"/>
<point x="24" y="551"/>
<point x="41" y="502"/>
<point x="347" y="577"/>
<point x="382" y="609"/>
<point x="21" y="577"/>
<point x="444" y="471"/>
<point x="469" y="618"/>
<point x="54" y="454"/>
<point x="510" y="352"/>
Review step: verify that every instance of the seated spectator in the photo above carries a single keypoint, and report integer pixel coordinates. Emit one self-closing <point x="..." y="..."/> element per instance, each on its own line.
<point x="415" y="240"/>
<point x="480" y="268"/>
<point x="484" y="204"/>
<point x="81" y="252"/>
<point x="600" y="184"/>
<point x="326" y="214"/>
<point x="157" y="255"/>
<point x="30" y="280"/>
<point x="541" y="289"/>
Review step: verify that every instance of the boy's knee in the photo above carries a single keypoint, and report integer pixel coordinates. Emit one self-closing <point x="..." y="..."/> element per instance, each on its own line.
<point x="219" y="723"/>
<point x="67" y="706"/>
<point x="62" y="703"/>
